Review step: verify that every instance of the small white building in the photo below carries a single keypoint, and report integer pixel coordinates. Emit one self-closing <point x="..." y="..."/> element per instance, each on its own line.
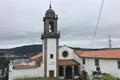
<point x="108" y="61"/>
<point x="24" y="68"/>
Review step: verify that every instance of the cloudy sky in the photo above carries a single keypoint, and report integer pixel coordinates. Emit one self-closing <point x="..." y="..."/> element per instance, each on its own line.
<point x="21" y="22"/>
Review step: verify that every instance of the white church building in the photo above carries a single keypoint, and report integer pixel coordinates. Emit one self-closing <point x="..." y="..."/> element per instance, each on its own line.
<point x="66" y="62"/>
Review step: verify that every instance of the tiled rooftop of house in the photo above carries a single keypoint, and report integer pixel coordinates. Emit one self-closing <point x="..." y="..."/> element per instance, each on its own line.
<point x="106" y="54"/>
<point x="36" y="57"/>
<point x="24" y="66"/>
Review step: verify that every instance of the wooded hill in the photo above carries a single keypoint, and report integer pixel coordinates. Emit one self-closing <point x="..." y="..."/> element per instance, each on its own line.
<point x="23" y="50"/>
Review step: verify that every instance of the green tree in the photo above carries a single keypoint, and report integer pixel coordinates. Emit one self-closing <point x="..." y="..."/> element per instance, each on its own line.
<point x="3" y="60"/>
<point x="38" y="63"/>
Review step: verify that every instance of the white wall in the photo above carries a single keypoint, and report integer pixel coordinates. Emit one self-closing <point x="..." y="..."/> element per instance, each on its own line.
<point x="71" y="55"/>
<point x="51" y="49"/>
<point x="22" y="73"/>
<point x="106" y="65"/>
<point x="69" y="50"/>
<point x="111" y="66"/>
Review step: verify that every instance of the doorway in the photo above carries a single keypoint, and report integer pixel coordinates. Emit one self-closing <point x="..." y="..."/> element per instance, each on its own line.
<point x="84" y="75"/>
<point x="68" y="74"/>
<point x="61" y="71"/>
<point x="51" y="73"/>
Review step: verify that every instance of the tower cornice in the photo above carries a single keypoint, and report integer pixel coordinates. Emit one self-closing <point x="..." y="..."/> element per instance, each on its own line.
<point x="50" y="35"/>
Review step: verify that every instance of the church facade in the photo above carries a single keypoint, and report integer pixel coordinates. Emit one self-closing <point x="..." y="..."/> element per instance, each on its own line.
<point x="70" y="63"/>
<point x="55" y="64"/>
<point x="50" y="39"/>
<point x="57" y="61"/>
<point x="66" y="62"/>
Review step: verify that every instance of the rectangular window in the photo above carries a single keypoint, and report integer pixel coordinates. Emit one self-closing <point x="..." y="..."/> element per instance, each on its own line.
<point x="83" y="60"/>
<point x="96" y="62"/>
<point x="51" y="56"/>
<point x="119" y="64"/>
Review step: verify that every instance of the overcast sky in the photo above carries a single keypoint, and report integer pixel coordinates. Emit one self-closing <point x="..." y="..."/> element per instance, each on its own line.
<point x="21" y="22"/>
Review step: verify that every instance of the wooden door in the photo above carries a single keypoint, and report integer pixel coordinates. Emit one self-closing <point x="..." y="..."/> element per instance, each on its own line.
<point x="51" y="73"/>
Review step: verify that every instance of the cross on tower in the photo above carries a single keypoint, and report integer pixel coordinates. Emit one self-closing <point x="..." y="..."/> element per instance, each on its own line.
<point x="50" y="4"/>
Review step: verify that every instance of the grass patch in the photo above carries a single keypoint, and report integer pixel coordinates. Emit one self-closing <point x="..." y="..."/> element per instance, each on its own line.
<point x="37" y="79"/>
<point x="27" y="79"/>
<point x="50" y="79"/>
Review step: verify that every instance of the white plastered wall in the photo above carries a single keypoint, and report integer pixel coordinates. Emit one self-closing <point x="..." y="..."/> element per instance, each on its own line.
<point x="106" y="65"/>
<point x="25" y="73"/>
<point x="51" y="49"/>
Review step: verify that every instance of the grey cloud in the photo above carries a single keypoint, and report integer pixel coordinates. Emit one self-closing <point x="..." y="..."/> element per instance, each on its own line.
<point x="21" y="22"/>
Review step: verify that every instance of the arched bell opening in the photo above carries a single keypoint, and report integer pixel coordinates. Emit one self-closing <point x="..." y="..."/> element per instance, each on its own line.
<point x="51" y="26"/>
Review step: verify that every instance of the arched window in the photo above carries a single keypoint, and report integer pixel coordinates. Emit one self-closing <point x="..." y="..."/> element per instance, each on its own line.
<point x="61" y="71"/>
<point x="51" y="26"/>
<point x="69" y="72"/>
<point x="76" y="70"/>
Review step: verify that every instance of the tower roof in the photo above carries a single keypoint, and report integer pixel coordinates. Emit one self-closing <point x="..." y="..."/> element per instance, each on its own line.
<point x="50" y="12"/>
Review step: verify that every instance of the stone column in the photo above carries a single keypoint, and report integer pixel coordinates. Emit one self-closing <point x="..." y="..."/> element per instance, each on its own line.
<point x="64" y="73"/>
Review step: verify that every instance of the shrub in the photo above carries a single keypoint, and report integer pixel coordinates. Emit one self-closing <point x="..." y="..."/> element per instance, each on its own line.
<point x="106" y="76"/>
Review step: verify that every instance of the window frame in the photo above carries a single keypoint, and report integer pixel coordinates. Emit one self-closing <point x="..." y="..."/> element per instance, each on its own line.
<point x="51" y="56"/>
<point x="65" y="54"/>
<point x="118" y="63"/>
<point x="97" y="63"/>
<point x="83" y="61"/>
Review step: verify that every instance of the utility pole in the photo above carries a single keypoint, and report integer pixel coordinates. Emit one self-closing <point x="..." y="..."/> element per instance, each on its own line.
<point x="110" y="42"/>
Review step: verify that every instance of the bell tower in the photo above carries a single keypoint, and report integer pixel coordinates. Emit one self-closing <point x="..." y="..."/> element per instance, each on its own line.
<point x="50" y="38"/>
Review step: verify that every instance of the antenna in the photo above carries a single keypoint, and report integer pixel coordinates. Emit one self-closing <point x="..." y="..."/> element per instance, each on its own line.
<point x="110" y="44"/>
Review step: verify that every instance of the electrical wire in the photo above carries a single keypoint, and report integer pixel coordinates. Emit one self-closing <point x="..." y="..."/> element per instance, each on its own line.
<point x="97" y="25"/>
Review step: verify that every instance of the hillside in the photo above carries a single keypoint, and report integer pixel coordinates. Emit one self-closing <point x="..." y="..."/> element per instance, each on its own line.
<point x="23" y="50"/>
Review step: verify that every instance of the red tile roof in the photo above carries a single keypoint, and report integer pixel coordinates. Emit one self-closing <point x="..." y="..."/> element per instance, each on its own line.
<point x="24" y="66"/>
<point x="67" y="62"/>
<point x="106" y="54"/>
<point x="37" y="57"/>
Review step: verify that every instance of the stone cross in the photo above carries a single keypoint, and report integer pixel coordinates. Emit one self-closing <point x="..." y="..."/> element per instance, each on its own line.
<point x="98" y="74"/>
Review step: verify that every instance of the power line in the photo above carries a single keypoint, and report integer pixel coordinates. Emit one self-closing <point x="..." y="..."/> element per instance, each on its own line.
<point x="95" y="32"/>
